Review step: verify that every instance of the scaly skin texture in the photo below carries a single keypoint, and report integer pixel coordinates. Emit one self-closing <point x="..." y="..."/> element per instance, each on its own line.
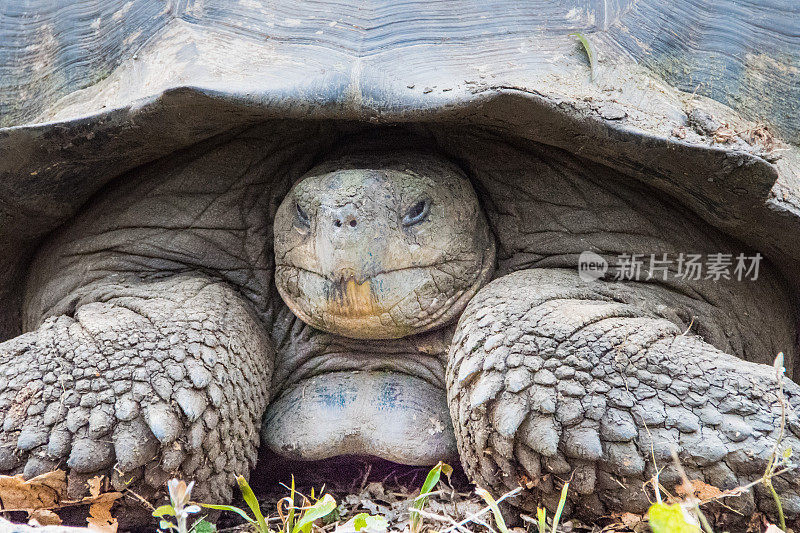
<point x="552" y="378"/>
<point x="152" y="380"/>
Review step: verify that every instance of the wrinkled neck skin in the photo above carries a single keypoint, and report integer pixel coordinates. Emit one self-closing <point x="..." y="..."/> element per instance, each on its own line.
<point x="376" y="257"/>
<point x="338" y="396"/>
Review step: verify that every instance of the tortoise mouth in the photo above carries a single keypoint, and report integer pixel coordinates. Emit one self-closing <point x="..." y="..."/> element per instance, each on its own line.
<point x="389" y="415"/>
<point x="384" y="305"/>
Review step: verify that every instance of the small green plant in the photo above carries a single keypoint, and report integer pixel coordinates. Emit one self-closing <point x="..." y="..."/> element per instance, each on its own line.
<point x="292" y="523"/>
<point x="319" y="509"/>
<point x="435" y="474"/>
<point x="587" y="46"/>
<point x="777" y="459"/>
<point x="179" y="507"/>
<point x="258" y="522"/>
<point x="309" y="512"/>
<point x="541" y="512"/>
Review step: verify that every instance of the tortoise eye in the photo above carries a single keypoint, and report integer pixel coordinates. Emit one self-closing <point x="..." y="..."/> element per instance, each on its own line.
<point x="302" y="216"/>
<point x="417" y="213"/>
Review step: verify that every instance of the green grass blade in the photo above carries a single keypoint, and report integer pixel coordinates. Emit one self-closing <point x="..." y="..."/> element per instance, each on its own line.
<point x="541" y="518"/>
<point x="560" y="508"/>
<point x="252" y="502"/>
<point x="492" y="503"/>
<point x="431" y="481"/>
<point x="228" y="508"/>
<point x="289" y="526"/>
<point x="323" y="507"/>
<point x="587" y="46"/>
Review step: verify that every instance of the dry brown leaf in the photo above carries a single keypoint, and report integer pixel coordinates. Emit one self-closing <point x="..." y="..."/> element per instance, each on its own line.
<point x="698" y="489"/>
<point x="42" y="492"/>
<point x="40" y="495"/>
<point x="44" y="517"/>
<point x="94" y="486"/>
<point x="630" y="520"/>
<point x="100" y="519"/>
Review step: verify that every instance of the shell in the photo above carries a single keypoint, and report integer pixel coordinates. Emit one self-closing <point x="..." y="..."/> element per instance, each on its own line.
<point x="676" y="94"/>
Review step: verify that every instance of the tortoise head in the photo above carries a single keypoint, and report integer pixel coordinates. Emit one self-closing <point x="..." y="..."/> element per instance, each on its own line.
<point x="381" y="245"/>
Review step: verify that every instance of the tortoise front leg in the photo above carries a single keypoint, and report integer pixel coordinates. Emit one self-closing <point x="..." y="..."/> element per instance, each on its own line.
<point x="168" y="378"/>
<point x="552" y="378"/>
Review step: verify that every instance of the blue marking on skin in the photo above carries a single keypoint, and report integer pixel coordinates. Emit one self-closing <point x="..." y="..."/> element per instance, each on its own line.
<point x="335" y="397"/>
<point x="388" y="395"/>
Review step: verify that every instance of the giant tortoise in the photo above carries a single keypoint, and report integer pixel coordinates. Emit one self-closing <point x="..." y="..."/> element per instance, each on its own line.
<point x="413" y="231"/>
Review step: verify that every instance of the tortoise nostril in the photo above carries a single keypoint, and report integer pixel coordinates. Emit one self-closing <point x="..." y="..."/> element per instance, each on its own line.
<point x="337" y="223"/>
<point x="353" y="223"/>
